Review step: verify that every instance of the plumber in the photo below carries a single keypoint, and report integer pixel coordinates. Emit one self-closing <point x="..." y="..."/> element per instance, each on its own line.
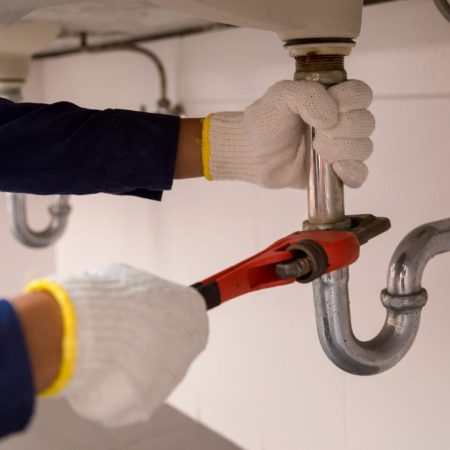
<point x="115" y="340"/>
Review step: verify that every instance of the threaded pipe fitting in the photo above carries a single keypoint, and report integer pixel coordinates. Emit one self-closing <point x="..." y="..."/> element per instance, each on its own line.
<point x="327" y="69"/>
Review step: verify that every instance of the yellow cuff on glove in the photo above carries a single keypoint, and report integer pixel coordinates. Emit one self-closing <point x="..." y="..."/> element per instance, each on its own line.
<point x="69" y="341"/>
<point x="206" y="149"/>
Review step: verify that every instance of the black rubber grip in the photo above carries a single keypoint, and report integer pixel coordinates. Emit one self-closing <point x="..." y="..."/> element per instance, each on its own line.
<point x="210" y="292"/>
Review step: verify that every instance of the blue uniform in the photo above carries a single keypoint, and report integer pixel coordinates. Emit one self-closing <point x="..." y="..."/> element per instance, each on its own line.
<point x="16" y="382"/>
<point x="65" y="149"/>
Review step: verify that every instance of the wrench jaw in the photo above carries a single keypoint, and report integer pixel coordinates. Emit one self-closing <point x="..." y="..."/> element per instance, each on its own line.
<point x="366" y="226"/>
<point x="310" y="260"/>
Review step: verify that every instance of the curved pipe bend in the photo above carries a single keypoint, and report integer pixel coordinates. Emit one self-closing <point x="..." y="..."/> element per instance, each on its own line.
<point x="17" y="217"/>
<point x="403" y="299"/>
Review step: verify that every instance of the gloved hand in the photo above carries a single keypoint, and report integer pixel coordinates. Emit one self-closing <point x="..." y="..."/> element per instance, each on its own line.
<point x="136" y="336"/>
<point x="265" y="144"/>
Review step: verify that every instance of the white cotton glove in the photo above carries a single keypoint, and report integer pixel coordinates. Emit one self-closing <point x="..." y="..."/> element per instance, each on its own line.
<point x="265" y="144"/>
<point x="137" y="335"/>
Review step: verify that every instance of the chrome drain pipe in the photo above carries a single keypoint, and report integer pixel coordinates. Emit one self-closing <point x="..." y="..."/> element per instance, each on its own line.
<point x="403" y="299"/>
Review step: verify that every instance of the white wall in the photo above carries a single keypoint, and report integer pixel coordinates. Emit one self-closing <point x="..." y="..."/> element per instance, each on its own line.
<point x="264" y="381"/>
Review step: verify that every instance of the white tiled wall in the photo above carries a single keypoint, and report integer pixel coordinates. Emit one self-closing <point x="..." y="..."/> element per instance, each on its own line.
<point x="264" y="381"/>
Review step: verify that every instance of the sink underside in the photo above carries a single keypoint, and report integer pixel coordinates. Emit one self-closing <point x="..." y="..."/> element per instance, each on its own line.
<point x="105" y="20"/>
<point x="114" y="19"/>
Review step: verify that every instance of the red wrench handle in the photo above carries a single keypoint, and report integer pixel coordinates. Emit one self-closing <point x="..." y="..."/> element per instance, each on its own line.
<point x="341" y="248"/>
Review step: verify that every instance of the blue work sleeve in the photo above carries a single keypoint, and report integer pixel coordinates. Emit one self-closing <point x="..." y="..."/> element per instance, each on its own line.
<point x="64" y="149"/>
<point x="16" y="380"/>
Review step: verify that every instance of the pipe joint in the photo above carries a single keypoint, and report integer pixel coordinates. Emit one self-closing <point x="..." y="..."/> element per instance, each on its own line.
<point x="403" y="303"/>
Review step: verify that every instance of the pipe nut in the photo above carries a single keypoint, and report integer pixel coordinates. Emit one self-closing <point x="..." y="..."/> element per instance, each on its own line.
<point x="404" y="302"/>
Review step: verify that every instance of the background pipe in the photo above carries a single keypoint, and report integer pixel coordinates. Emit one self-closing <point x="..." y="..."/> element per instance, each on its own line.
<point x="403" y="299"/>
<point x="18" y="221"/>
<point x="164" y="105"/>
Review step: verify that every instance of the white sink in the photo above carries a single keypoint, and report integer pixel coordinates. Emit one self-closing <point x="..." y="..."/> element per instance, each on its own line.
<point x="291" y="19"/>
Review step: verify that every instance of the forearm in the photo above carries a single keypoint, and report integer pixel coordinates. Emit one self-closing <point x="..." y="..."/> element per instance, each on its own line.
<point x="40" y="319"/>
<point x="189" y="152"/>
<point x="62" y="148"/>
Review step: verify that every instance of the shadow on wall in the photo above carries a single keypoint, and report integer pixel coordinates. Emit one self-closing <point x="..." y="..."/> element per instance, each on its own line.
<point x="57" y="426"/>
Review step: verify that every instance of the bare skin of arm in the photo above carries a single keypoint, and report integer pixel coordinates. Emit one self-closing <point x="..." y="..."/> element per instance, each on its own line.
<point x="41" y="323"/>
<point x="39" y="313"/>
<point x="189" y="154"/>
